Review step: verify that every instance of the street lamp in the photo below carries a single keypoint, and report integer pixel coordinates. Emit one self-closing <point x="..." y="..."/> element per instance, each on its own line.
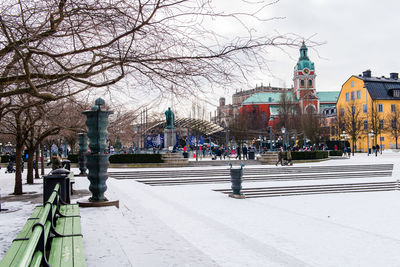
<point x="283" y="137"/>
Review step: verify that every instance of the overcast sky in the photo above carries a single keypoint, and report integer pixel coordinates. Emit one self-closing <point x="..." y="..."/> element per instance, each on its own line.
<point x="357" y="35"/>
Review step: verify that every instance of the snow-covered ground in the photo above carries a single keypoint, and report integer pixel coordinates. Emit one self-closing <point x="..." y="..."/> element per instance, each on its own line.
<point x="192" y="225"/>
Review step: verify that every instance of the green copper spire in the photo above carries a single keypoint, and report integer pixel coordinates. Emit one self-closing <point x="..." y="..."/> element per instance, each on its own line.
<point x="304" y="61"/>
<point x="303" y="52"/>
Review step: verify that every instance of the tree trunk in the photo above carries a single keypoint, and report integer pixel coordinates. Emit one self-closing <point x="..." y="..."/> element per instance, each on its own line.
<point x="42" y="158"/>
<point x="18" y="165"/>
<point x="29" y="175"/>
<point x="37" y="176"/>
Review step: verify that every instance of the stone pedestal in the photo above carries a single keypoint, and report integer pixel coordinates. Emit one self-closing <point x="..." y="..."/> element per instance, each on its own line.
<point x="269" y="158"/>
<point x="169" y="137"/>
<point x="174" y="159"/>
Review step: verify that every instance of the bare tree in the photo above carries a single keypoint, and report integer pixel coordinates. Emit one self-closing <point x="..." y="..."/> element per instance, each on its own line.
<point x="353" y="121"/>
<point x="375" y="118"/>
<point x="165" y="44"/>
<point x="288" y="114"/>
<point x="394" y="127"/>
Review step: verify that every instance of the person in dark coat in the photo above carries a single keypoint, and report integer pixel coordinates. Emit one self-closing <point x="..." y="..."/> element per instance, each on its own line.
<point x="289" y="156"/>
<point x="239" y="153"/>
<point x="280" y="157"/>
<point x="245" y="153"/>
<point x="55" y="162"/>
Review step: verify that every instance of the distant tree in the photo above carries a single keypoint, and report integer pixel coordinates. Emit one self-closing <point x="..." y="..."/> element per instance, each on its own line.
<point x="288" y="114"/>
<point x="393" y="126"/>
<point x="375" y="119"/>
<point x="353" y="122"/>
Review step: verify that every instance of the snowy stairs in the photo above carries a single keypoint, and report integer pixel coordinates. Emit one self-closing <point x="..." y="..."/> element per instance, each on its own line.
<point x="315" y="189"/>
<point x="187" y="176"/>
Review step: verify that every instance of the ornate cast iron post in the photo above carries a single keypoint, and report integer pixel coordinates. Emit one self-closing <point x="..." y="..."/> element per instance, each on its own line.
<point x="83" y="145"/>
<point x="97" y="160"/>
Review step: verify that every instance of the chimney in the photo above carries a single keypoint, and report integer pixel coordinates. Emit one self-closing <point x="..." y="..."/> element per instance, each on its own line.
<point x="367" y="74"/>
<point x="394" y="76"/>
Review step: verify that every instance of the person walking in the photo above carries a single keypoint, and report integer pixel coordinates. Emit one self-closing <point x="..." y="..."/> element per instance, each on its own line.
<point x="245" y="153"/>
<point x="289" y="156"/>
<point x="280" y="157"/>
<point x="239" y="153"/>
<point x="55" y="162"/>
<point x="376" y="150"/>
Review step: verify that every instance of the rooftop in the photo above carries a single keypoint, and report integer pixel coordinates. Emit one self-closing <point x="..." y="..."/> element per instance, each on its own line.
<point x="380" y="87"/>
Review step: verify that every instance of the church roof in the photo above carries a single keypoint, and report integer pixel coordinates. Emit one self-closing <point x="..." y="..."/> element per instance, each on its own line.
<point x="328" y="96"/>
<point x="263" y="98"/>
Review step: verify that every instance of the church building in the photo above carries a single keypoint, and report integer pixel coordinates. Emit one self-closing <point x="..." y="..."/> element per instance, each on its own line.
<point x="304" y="91"/>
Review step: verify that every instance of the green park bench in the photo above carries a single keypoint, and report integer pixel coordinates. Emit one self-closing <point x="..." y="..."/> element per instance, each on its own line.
<point x="51" y="237"/>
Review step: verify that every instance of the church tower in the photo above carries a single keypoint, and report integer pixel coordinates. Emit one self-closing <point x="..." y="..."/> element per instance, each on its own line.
<point x="304" y="82"/>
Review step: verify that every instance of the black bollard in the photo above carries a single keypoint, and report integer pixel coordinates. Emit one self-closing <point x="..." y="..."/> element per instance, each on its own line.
<point x="236" y="180"/>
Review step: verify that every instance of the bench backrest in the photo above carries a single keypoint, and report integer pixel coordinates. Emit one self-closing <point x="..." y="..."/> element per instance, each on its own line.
<point x="34" y="252"/>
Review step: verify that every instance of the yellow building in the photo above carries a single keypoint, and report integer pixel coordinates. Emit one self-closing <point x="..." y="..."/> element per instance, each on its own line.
<point x="369" y="107"/>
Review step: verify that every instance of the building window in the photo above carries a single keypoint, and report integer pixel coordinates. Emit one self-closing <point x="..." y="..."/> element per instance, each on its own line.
<point x="352" y="96"/>
<point x="342" y="112"/>
<point x="382" y="138"/>
<point x="352" y="83"/>
<point x="365" y="108"/>
<point x="310" y="83"/>
<point x="380" y="107"/>
<point x="358" y="94"/>
<point x="353" y="109"/>
<point x="393" y="107"/>
<point x="347" y="96"/>
<point x="365" y="125"/>
<point x="396" y="93"/>
<point x="381" y="124"/>
<point x="302" y="83"/>
<point x="333" y="132"/>
<point x="394" y="126"/>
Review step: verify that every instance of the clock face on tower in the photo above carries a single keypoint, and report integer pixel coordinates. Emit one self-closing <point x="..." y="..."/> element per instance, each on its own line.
<point x="306" y="71"/>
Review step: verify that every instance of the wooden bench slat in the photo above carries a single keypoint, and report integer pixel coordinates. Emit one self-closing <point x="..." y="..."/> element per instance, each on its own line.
<point x="37" y="259"/>
<point x="56" y="245"/>
<point x="70" y="210"/>
<point x="11" y="254"/>
<point x="55" y="252"/>
<point x="67" y="259"/>
<point x="79" y="256"/>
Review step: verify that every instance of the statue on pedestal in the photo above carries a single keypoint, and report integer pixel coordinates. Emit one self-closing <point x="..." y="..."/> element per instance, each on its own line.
<point x="170" y="118"/>
<point x="169" y="131"/>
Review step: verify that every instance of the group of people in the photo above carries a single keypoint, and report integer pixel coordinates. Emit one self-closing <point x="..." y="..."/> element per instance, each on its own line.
<point x="281" y="157"/>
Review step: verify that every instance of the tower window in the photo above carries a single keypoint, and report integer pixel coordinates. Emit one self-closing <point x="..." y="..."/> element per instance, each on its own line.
<point x="302" y="83"/>
<point x="309" y="82"/>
